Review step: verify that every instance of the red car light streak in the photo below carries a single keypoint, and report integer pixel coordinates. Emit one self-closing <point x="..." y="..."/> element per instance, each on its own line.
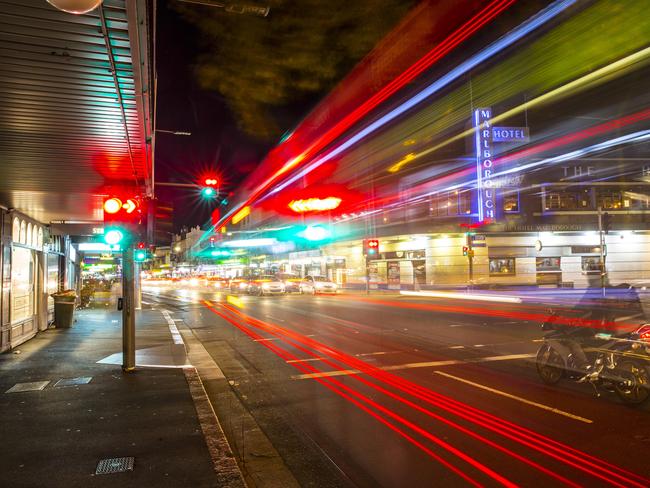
<point x="490" y="12"/>
<point x="554" y="449"/>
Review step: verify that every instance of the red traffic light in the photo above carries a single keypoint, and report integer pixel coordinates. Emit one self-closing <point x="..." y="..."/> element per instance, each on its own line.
<point x="465" y="250"/>
<point x="373" y="243"/>
<point x="112" y="205"/>
<point x="211" y="181"/>
<point x="141" y="245"/>
<point x="213" y="238"/>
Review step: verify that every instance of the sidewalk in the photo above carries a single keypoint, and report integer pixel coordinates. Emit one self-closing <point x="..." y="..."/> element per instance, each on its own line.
<point x="56" y="436"/>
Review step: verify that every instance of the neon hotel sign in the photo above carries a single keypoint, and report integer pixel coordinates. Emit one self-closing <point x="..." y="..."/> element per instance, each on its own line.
<point x="484" y="164"/>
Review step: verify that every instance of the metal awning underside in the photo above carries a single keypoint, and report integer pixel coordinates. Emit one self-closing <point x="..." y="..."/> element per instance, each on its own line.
<point x="75" y="116"/>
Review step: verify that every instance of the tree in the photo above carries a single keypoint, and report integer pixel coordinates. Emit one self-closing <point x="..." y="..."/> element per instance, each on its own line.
<point x="262" y="66"/>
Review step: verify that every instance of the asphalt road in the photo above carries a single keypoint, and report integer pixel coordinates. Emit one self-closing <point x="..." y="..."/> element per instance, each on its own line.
<point x="402" y="391"/>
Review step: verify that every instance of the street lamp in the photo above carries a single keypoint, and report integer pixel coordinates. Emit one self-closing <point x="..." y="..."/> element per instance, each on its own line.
<point x="75" y="6"/>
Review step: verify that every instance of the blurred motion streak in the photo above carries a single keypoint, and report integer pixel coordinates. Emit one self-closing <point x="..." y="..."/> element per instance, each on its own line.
<point x="559" y="452"/>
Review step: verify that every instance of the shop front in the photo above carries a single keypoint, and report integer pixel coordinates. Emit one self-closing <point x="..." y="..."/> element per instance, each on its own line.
<point x="24" y="294"/>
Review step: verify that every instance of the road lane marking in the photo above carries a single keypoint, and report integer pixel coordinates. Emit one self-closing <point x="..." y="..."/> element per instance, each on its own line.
<point x="517" y="398"/>
<point x="267" y="339"/>
<point x="462" y="296"/>
<point x="427" y="364"/>
<point x="178" y="339"/>
<point x="456" y="347"/>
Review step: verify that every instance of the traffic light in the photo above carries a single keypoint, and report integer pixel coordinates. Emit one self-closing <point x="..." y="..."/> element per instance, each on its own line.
<point x="465" y="250"/>
<point x="122" y="216"/>
<point x="370" y="247"/>
<point x="607" y="222"/>
<point x="209" y="190"/>
<point x="140" y="255"/>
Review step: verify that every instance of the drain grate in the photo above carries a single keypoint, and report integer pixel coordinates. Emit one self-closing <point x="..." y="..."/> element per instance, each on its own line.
<point x="82" y="380"/>
<point x="32" y="386"/>
<point x="115" y="465"/>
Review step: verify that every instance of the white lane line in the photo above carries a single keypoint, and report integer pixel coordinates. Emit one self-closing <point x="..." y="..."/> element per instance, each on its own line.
<point x="517" y="398"/>
<point x="456" y="347"/>
<point x="462" y="296"/>
<point x="427" y="364"/>
<point x="178" y="339"/>
<point x="267" y="339"/>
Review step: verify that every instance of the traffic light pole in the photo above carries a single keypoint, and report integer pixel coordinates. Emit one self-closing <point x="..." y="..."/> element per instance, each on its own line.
<point x="128" y="310"/>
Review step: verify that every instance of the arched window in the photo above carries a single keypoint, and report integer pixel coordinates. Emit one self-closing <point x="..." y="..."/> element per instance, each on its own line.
<point x="15" y="233"/>
<point x="39" y="238"/>
<point x="28" y="234"/>
<point x="23" y="232"/>
<point x="35" y="237"/>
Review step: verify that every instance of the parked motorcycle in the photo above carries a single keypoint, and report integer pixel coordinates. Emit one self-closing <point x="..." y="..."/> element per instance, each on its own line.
<point x="619" y="363"/>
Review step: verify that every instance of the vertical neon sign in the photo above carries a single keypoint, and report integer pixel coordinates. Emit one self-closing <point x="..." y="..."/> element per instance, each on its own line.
<point x="486" y="193"/>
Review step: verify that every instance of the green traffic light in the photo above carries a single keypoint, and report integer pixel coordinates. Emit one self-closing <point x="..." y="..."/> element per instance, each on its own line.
<point x="140" y="256"/>
<point x="113" y="236"/>
<point x="208" y="192"/>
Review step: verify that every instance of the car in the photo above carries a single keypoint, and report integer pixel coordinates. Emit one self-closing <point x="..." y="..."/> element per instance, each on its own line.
<point x="317" y="284"/>
<point x="218" y="283"/>
<point x="266" y="285"/>
<point x="239" y="285"/>
<point x="291" y="282"/>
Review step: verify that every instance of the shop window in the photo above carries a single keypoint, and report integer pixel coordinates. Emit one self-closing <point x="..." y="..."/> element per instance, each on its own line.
<point x="591" y="264"/>
<point x="548" y="264"/>
<point x="22" y="284"/>
<point x="511" y="202"/>
<point x="609" y="200"/>
<point x="502" y="266"/>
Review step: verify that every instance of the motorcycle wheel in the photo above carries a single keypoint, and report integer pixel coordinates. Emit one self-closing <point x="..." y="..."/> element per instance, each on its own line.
<point x="550" y="366"/>
<point x="634" y="387"/>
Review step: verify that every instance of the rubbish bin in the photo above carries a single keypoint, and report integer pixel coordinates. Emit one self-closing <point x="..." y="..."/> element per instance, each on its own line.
<point x="64" y="303"/>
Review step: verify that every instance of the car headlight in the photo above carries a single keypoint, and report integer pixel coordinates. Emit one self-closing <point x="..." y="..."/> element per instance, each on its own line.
<point x="266" y="286"/>
<point x="242" y="285"/>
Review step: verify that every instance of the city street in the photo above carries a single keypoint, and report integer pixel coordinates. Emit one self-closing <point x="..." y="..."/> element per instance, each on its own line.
<point x="401" y="391"/>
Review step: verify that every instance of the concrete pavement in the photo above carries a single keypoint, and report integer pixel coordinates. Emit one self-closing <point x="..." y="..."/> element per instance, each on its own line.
<point x="56" y="435"/>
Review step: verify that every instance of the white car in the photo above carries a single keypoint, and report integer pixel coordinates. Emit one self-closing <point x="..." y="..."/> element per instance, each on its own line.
<point x="317" y="284"/>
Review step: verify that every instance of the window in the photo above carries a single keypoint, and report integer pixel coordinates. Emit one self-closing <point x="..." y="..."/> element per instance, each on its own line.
<point x="511" y="202"/>
<point x="591" y="264"/>
<point x="22" y="284"/>
<point x="548" y="264"/>
<point x="610" y="200"/>
<point x="502" y="266"/>
<point x="23" y="232"/>
<point x="464" y="202"/>
<point x="568" y="200"/>
<point x="15" y="234"/>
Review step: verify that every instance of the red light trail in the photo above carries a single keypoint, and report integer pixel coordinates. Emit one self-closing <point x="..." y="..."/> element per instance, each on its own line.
<point x="489" y="13"/>
<point x="556" y="450"/>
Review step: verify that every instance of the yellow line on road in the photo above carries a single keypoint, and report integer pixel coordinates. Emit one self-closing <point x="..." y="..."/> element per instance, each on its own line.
<point x="514" y="397"/>
<point x="427" y="364"/>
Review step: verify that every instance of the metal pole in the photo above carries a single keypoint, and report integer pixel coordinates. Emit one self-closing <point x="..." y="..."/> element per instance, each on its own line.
<point x="603" y="271"/>
<point x="128" y="310"/>
<point x="137" y="285"/>
<point x="470" y="257"/>
<point x="367" y="276"/>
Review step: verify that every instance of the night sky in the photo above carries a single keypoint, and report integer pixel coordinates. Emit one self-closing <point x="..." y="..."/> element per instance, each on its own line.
<point x="215" y="144"/>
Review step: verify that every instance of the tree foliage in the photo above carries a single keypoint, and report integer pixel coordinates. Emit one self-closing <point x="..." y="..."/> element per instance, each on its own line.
<point x="260" y="65"/>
